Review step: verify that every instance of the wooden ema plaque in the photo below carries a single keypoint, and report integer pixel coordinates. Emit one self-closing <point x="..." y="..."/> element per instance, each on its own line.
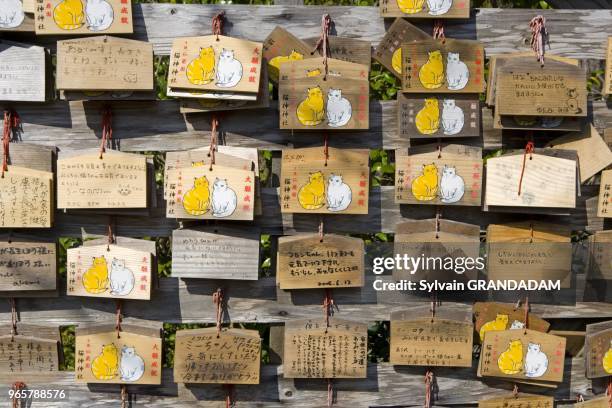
<point x="308" y="185"/>
<point x="600" y="259"/>
<point x="607" y="88"/>
<point x="492" y="316"/>
<point x="104" y="64"/>
<point x="598" y="354"/>
<point x="452" y="66"/>
<point x="308" y="261"/>
<point x="601" y="402"/>
<point x="21" y="355"/>
<point x="448" y="175"/>
<point x="117" y="180"/>
<point x="389" y="50"/>
<point x="26" y="198"/>
<point x="518" y="401"/>
<point x="219" y="253"/>
<point x="135" y="357"/>
<point x="526" y="355"/>
<point x="604" y="203"/>
<point x="281" y="46"/>
<point x="70" y="17"/>
<point x="215" y="63"/>
<point x="309" y="100"/>
<point x="23" y="76"/>
<point x="431" y="342"/>
<point x="547" y="181"/>
<point x="109" y="271"/>
<point x="231" y="357"/>
<point x="525" y="88"/>
<point x="425" y="9"/>
<point x="313" y="350"/>
<point x="432" y="116"/>
<point x="345" y="49"/>
<point x="27" y="266"/>
<point x="204" y="193"/>
<point x="530" y="250"/>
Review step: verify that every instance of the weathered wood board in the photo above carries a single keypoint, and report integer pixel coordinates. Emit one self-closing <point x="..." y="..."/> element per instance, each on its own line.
<point x="607" y="87"/>
<point x="281" y="46"/>
<point x="27" y="266"/>
<point x="23" y="72"/>
<point x="600" y="259"/>
<point x="598" y="353"/>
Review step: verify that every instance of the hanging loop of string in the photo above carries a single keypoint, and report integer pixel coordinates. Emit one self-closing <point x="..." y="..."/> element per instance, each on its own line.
<point x="439" y="149"/>
<point x="529" y="148"/>
<point x="124" y="396"/>
<point x="217" y="24"/>
<point x="434" y="305"/>
<point x="515" y="391"/>
<point x="539" y="36"/>
<point x="229" y="395"/>
<point x="10" y="124"/>
<point x="13" y="304"/>
<point x="328" y="307"/>
<point x="531" y="233"/>
<point x="438" y="217"/>
<point x="609" y="392"/>
<point x="111" y="235"/>
<point x="118" y="317"/>
<point x="17" y="386"/>
<point x="214" y="124"/>
<point x="322" y="44"/>
<point x="321" y="229"/>
<point x="438" y="30"/>
<point x="326" y="147"/>
<point x="107" y="129"/>
<point x="429" y="378"/>
<point x="330" y="392"/>
<point x="526" y="319"/>
<point x="218" y="299"/>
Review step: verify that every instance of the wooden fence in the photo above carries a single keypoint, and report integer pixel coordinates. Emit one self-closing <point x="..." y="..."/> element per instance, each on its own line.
<point x="158" y="126"/>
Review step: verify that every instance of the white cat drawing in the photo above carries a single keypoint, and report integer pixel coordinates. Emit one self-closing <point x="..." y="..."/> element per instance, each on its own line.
<point x="452" y="117"/>
<point x="457" y="73"/>
<point x="452" y="186"/>
<point x="536" y="362"/>
<point x="11" y="13"/>
<point x="439" y="7"/>
<point x="121" y="279"/>
<point x="229" y="70"/>
<point x="99" y="14"/>
<point x="338" y="194"/>
<point x="517" y="325"/>
<point x="131" y="366"/>
<point x="223" y="199"/>
<point x="338" y="108"/>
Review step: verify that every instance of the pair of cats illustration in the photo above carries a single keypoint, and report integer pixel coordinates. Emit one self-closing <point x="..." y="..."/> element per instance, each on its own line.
<point x="427" y="120"/>
<point x="315" y="194"/>
<point x="97" y="279"/>
<point x="73" y="14"/>
<point x="435" y="7"/>
<point x="108" y="365"/>
<point x="450" y="188"/>
<point x="312" y="110"/>
<point x="432" y="74"/>
<point x="200" y="199"/>
<point x="533" y="364"/>
<point x="225" y="70"/>
<point x="500" y="323"/>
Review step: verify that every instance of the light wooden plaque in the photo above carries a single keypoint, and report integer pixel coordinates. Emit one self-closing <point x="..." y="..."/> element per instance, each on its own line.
<point x="418" y="9"/>
<point x="345" y="49"/>
<point x="600" y="260"/>
<point x="281" y="46"/>
<point x="598" y="354"/>
<point x="109" y="271"/>
<point x="232" y="357"/>
<point x="600" y="402"/>
<point x="28" y="354"/>
<point x="604" y="203"/>
<point x="26" y="198"/>
<point x="27" y="266"/>
<point x="518" y="401"/>
<point x="104" y="64"/>
<point x="491" y="316"/>
<point x="306" y="261"/>
<point x="23" y="76"/>
<point x="607" y="88"/>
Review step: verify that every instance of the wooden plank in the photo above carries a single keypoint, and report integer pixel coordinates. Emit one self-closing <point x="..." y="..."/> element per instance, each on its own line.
<point x="23" y="69"/>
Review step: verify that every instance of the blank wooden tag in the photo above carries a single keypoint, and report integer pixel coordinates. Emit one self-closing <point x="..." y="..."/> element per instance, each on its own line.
<point x="452" y="66"/>
<point x="70" y="17"/>
<point x="526" y="88"/>
<point x="27" y="354"/>
<point x="26" y="198"/>
<point x="430" y="342"/>
<point x="547" y="181"/>
<point x="607" y="88"/>
<point x="219" y="253"/>
<point x="215" y="63"/>
<point x="491" y="316"/>
<point x="600" y="259"/>
<point x="345" y="49"/>
<point x="104" y="64"/>
<point x="309" y="186"/>
<point x="27" y="266"/>
<point x="601" y="402"/>
<point x="604" y="203"/>
<point x="281" y="46"/>
<point x="23" y="72"/>
<point x="312" y="350"/>
<point x="422" y="9"/>
<point x="31" y="156"/>
<point x="529" y="250"/>
<point x="389" y="50"/>
<point x="308" y="261"/>
<point x="444" y="116"/>
<point x="518" y="401"/>
<point x="109" y="271"/>
<point x="309" y="100"/>
<point x="522" y="355"/>
<point x="598" y="354"/>
<point x="231" y="357"/>
<point x="133" y="358"/>
<point x="450" y="175"/>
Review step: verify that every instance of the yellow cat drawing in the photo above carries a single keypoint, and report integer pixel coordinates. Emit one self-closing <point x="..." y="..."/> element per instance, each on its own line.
<point x="313" y="73"/>
<point x="511" y="361"/>
<point x="425" y="186"/>
<point x="396" y="60"/>
<point x="197" y="200"/>
<point x="431" y="73"/>
<point x="201" y="70"/>
<point x="276" y="62"/>
<point x="310" y="111"/>
<point x="427" y="120"/>
<point x="312" y="194"/>
<point x="607" y="360"/>
<point x="69" y="14"/>
<point x="500" y="323"/>
<point x="410" y="6"/>
<point x="106" y="365"/>
<point x="95" y="280"/>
